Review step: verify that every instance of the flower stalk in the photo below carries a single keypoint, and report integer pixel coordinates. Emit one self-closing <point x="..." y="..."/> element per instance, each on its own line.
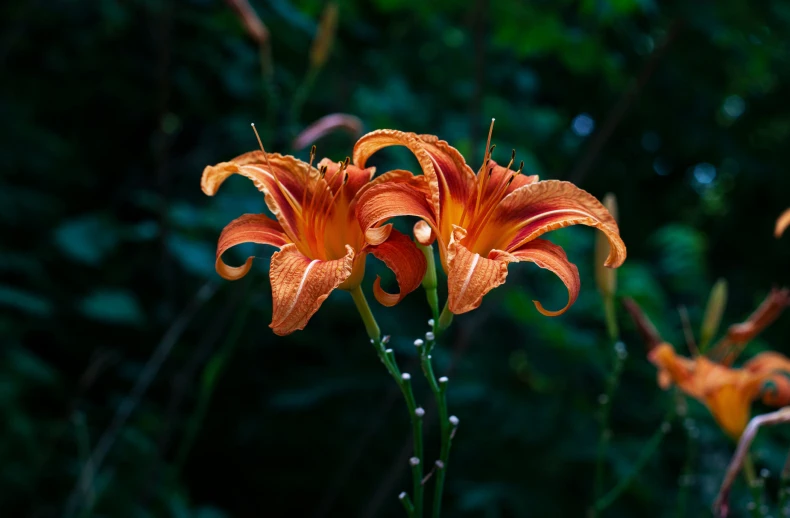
<point x="414" y="507"/>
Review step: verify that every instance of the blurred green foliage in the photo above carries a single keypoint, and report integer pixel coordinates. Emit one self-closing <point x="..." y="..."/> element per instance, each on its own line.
<point x="111" y="110"/>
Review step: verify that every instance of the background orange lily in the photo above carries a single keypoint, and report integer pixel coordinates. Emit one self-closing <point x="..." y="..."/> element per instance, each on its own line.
<point x="727" y="392"/>
<point x="321" y="244"/>
<point x="482" y="222"/>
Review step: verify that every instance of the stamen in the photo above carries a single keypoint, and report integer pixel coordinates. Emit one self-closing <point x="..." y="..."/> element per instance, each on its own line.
<point x="307" y="175"/>
<point x="512" y="159"/>
<point x="263" y="150"/>
<point x="520" y="167"/>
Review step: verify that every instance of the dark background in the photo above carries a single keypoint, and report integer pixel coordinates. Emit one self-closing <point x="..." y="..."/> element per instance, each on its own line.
<point x="110" y="111"/>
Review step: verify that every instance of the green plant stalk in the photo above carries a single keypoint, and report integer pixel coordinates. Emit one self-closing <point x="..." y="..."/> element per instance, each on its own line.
<point x="784" y="478"/>
<point x="603" y="441"/>
<point x="440" y="395"/>
<point x="754" y="487"/>
<point x="211" y="373"/>
<point x="611" y="317"/>
<point x="445" y="319"/>
<point x="302" y="93"/>
<point x="686" y="473"/>
<point x="387" y="357"/>
<point x="650" y="448"/>
<point x="429" y="282"/>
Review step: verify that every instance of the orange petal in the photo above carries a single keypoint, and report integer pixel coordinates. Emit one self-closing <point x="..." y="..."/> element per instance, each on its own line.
<point x="540" y="207"/>
<point x="390" y="199"/>
<point x="774" y="368"/>
<point x="377" y="235"/>
<point x="282" y="179"/>
<point x="731" y="407"/>
<point x="405" y="260"/>
<point x="449" y="178"/>
<point x="672" y="368"/>
<point x="326" y="125"/>
<point x="782" y="223"/>
<point x="300" y="285"/>
<point x="500" y="174"/>
<point x="250" y="228"/>
<point x="357" y="178"/>
<point x="552" y="257"/>
<point x="423" y="233"/>
<point x="470" y="276"/>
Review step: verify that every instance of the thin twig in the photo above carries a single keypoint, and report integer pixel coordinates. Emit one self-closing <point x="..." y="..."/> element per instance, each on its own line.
<point x="619" y="110"/>
<point x="687" y="331"/>
<point x="721" y="506"/>
<point x="129" y="404"/>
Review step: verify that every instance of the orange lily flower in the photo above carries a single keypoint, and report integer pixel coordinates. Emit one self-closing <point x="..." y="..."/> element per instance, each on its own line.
<point x="727" y="392"/>
<point x="782" y="222"/>
<point x="482" y="223"/>
<point x="321" y="244"/>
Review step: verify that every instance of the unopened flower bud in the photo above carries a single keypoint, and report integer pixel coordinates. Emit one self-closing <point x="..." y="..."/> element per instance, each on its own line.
<point x="419" y="411"/>
<point x="454" y="420"/>
<point x="414" y="461"/>
<point x="406" y="376"/>
<point x="418" y="342"/>
<point x="429" y="336"/>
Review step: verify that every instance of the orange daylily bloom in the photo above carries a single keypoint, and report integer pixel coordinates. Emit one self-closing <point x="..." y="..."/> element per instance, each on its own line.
<point x="738" y="335"/>
<point x="727" y="392"/>
<point x="484" y="222"/>
<point x="782" y="222"/>
<point x="321" y="244"/>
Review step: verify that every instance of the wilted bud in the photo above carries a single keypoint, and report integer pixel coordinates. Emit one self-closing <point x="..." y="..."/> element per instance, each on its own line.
<point x="763" y="316"/>
<point x="322" y="43"/>
<point x="643" y="324"/>
<point x="717" y="301"/>
<point x="606" y="278"/>
<point x="326" y="125"/>
<point x="782" y="223"/>
<point x="255" y="27"/>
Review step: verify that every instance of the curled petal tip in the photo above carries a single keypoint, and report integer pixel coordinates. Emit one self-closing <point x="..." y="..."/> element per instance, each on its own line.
<point x="782" y="223"/>
<point x="548" y="313"/>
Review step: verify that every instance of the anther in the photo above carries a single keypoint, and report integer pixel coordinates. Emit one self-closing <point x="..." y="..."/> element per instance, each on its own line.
<point x="520" y="167"/>
<point x="512" y="159"/>
<point x="312" y="155"/>
<point x="345" y="178"/>
<point x="323" y="171"/>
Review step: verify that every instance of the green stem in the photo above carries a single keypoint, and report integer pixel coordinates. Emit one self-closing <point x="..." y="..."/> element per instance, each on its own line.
<point x="445" y="319"/>
<point x="439" y="389"/>
<point x="267" y="73"/>
<point x="751" y="480"/>
<point x="387" y="357"/>
<point x="209" y="378"/>
<point x="618" y="360"/>
<point x="611" y="317"/>
<point x="688" y="466"/>
<point x="647" y="452"/>
<point x="371" y="326"/>
<point x="784" y="478"/>
<point x="429" y="282"/>
<point x="301" y="95"/>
